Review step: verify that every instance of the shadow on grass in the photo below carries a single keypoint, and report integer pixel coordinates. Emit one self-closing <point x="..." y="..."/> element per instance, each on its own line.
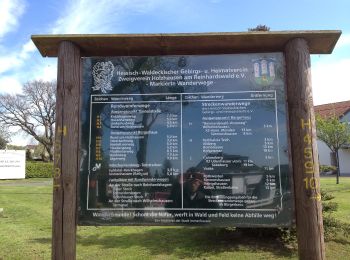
<point x="189" y="242"/>
<point x="42" y="240"/>
<point x="341" y="240"/>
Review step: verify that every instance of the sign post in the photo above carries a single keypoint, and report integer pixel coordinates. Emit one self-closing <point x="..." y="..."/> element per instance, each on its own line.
<point x="294" y="46"/>
<point x="66" y="156"/>
<point x="308" y="207"/>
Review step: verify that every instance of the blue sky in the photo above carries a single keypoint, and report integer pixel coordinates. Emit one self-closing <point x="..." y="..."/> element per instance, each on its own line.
<point x="19" y="19"/>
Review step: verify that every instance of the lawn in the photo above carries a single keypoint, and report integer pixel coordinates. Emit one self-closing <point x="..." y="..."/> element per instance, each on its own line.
<point x="25" y="232"/>
<point x="341" y="192"/>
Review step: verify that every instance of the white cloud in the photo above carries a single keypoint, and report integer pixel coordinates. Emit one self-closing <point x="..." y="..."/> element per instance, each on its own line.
<point x="47" y="70"/>
<point x="330" y="81"/>
<point x="87" y="16"/>
<point x="26" y="49"/>
<point x="10" y="85"/>
<point x="9" y="62"/>
<point x="343" y="41"/>
<point x="79" y="16"/>
<point x="21" y="140"/>
<point x="10" y="12"/>
<point x="18" y="137"/>
<point x="16" y="59"/>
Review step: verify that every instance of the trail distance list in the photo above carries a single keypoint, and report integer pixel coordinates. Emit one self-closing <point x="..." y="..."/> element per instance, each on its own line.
<point x="185" y="140"/>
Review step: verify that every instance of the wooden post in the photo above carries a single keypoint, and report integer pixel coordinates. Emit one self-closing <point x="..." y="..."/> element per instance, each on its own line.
<point x="66" y="161"/>
<point x="304" y="151"/>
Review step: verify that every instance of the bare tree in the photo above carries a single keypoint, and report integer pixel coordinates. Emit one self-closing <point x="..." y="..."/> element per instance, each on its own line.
<point x="33" y="112"/>
<point x="4" y="137"/>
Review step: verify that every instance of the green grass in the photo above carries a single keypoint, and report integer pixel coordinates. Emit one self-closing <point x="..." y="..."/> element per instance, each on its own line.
<point x="172" y="243"/>
<point x="26" y="220"/>
<point x="25" y="232"/>
<point x="341" y="192"/>
<point x="340" y="247"/>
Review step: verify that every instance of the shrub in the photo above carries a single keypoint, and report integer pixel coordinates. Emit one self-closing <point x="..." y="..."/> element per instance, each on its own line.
<point x="327" y="168"/>
<point x="332" y="226"/>
<point x="329" y="207"/>
<point x="39" y="169"/>
<point x="326" y="196"/>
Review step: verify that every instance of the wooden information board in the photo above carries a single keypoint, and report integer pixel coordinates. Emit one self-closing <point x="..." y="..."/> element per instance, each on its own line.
<point x="174" y="140"/>
<point x="297" y="109"/>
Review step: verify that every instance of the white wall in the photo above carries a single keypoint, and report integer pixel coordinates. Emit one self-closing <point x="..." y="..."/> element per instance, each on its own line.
<point x="324" y="156"/>
<point x="324" y="153"/>
<point x="344" y="158"/>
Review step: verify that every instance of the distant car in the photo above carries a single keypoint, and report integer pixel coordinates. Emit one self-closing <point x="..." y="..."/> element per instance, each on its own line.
<point x="242" y="184"/>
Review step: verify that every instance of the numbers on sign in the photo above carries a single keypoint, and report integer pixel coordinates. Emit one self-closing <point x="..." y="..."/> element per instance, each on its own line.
<point x="311" y="183"/>
<point x="267" y="126"/>
<point x="307" y="139"/>
<point x="57" y="173"/>
<point x="308" y="152"/>
<point x="172" y="121"/>
<point x="60" y="132"/>
<point x="172" y="147"/>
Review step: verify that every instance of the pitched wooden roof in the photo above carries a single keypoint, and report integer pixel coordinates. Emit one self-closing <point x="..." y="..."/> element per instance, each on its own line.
<point x="338" y="109"/>
<point x="320" y="42"/>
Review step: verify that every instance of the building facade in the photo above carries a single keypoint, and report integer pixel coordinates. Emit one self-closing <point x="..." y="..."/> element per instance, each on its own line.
<point x="342" y="111"/>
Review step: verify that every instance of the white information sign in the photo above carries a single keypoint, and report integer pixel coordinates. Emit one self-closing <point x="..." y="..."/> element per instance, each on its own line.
<point x="12" y="164"/>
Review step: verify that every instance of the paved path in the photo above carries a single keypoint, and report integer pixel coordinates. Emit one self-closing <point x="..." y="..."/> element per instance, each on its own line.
<point x="25" y="183"/>
<point x="334" y="175"/>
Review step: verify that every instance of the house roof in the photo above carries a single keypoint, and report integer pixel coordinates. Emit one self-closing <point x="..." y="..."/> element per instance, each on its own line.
<point x="339" y="109"/>
<point x="31" y="146"/>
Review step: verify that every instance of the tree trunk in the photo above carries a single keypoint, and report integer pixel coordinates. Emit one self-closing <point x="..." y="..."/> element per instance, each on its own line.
<point x="142" y="152"/>
<point x="337" y="164"/>
<point x="49" y="152"/>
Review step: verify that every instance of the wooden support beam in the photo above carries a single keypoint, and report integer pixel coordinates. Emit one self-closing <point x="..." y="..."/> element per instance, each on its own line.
<point x="66" y="161"/>
<point x="308" y="205"/>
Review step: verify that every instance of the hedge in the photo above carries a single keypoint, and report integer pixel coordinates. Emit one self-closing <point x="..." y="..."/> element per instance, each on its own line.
<point x="39" y="169"/>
